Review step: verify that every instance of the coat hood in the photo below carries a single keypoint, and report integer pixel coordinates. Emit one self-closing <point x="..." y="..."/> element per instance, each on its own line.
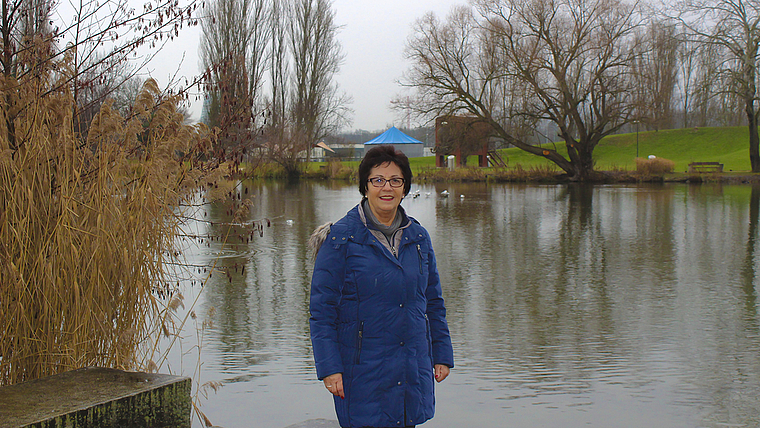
<point x="317" y="238"/>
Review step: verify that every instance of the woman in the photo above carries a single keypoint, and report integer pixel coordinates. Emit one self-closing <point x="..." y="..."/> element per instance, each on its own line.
<point x="378" y="321"/>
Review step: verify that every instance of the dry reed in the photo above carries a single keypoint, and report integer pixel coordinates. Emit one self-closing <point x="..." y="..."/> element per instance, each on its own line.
<point x="87" y="226"/>
<point x="654" y="166"/>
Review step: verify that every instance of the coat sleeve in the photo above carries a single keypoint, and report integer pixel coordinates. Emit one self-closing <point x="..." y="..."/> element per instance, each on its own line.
<point x="326" y="287"/>
<point x="443" y="351"/>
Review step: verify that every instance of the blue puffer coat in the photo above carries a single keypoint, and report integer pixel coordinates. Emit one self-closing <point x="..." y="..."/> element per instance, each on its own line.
<point x="379" y="320"/>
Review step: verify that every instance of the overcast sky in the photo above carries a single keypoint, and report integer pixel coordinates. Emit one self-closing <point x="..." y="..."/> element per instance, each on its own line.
<point x="373" y="36"/>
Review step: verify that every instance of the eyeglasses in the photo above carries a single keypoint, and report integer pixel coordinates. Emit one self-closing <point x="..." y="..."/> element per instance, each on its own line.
<point x="380" y="182"/>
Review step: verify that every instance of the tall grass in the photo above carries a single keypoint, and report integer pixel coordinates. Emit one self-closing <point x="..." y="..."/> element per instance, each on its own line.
<point x="87" y="226"/>
<point x="654" y="166"/>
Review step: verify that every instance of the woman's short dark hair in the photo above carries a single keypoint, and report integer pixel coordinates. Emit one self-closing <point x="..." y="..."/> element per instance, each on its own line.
<point x="379" y="155"/>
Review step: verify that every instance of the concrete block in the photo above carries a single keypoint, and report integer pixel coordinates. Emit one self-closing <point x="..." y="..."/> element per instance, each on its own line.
<point x="98" y="397"/>
<point x="316" y="423"/>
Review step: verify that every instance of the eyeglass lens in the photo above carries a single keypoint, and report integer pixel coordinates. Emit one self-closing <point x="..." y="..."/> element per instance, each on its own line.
<point x="380" y="182"/>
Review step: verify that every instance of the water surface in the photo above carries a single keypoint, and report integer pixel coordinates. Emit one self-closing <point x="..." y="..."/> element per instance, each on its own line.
<point x="572" y="306"/>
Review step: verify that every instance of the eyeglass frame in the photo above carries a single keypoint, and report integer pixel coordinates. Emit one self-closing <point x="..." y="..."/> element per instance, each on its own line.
<point x="386" y="180"/>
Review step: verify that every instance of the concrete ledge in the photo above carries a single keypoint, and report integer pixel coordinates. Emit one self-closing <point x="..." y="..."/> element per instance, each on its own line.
<point x="316" y="423"/>
<point x="97" y="397"/>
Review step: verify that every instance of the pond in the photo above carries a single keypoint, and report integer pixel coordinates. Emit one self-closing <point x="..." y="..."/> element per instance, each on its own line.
<point x="569" y="305"/>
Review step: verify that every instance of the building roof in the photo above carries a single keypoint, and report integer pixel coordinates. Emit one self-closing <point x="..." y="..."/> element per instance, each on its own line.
<point x="393" y="136"/>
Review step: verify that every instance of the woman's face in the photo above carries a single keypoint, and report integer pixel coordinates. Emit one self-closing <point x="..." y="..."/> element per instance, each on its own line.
<point x="384" y="200"/>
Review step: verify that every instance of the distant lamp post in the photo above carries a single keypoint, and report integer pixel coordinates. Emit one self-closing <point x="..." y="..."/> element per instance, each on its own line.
<point x="440" y="160"/>
<point x="637" y="137"/>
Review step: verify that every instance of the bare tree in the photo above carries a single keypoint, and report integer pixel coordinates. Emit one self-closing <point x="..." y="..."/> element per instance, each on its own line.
<point x="687" y="63"/>
<point x="734" y="27"/>
<point x="124" y="98"/>
<point x="518" y="63"/>
<point x="22" y="21"/>
<point x="317" y="107"/>
<point x="257" y="55"/>
<point x="35" y="19"/>
<point x="99" y="80"/>
<point x="656" y="71"/>
<point x="305" y="104"/>
<point x="294" y="44"/>
<point x="233" y="49"/>
<point x="279" y="71"/>
<point x="706" y="83"/>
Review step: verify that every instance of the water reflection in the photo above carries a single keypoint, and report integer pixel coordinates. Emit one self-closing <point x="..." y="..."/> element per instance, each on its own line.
<point x="568" y="305"/>
<point x="749" y="271"/>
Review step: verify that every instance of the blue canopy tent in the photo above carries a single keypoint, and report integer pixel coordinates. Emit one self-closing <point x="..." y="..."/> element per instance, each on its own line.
<point x="410" y="146"/>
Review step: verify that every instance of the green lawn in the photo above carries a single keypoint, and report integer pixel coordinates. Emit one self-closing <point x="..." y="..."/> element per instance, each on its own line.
<point x="728" y="146"/>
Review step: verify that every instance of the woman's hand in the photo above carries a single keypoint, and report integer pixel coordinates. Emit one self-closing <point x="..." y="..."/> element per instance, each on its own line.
<point x="334" y="384"/>
<point x="441" y="372"/>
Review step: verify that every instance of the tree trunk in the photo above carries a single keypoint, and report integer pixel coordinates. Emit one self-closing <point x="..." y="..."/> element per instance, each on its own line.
<point x="7" y="64"/>
<point x="585" y="168"/>
<point x="750" y="73"/>
<point x="581" y="157"/>
<point x="583" y="165"/>
<point x="754" y="140"/>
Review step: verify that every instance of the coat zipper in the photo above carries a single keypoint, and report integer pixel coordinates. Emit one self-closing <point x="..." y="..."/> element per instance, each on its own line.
<point x="359" y="342"/>
<point x="429" y="339"/>
<point x="391" y="241"/>
<point x="419" y="251"/>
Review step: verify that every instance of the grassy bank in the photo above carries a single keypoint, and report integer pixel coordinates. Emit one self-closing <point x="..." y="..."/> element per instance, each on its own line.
<point x="615" y="154"/>
<point x="728" y="146"/>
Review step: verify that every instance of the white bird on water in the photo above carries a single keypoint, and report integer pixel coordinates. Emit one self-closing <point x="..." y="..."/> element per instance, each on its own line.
<point x="445" y="193"/>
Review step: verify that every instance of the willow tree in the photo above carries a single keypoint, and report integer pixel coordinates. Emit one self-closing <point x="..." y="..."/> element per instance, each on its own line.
<point x="516" y="64"/>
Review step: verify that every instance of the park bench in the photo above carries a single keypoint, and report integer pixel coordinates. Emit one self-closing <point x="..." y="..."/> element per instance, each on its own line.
<point x="699" y="167"/>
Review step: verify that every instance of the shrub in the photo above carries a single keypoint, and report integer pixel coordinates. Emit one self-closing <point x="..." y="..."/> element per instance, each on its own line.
<point x="654" y="166"/>
<point x="338" y="170"/>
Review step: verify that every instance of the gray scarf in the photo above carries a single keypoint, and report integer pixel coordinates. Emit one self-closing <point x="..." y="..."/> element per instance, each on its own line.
<point x="372" y="221"/>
